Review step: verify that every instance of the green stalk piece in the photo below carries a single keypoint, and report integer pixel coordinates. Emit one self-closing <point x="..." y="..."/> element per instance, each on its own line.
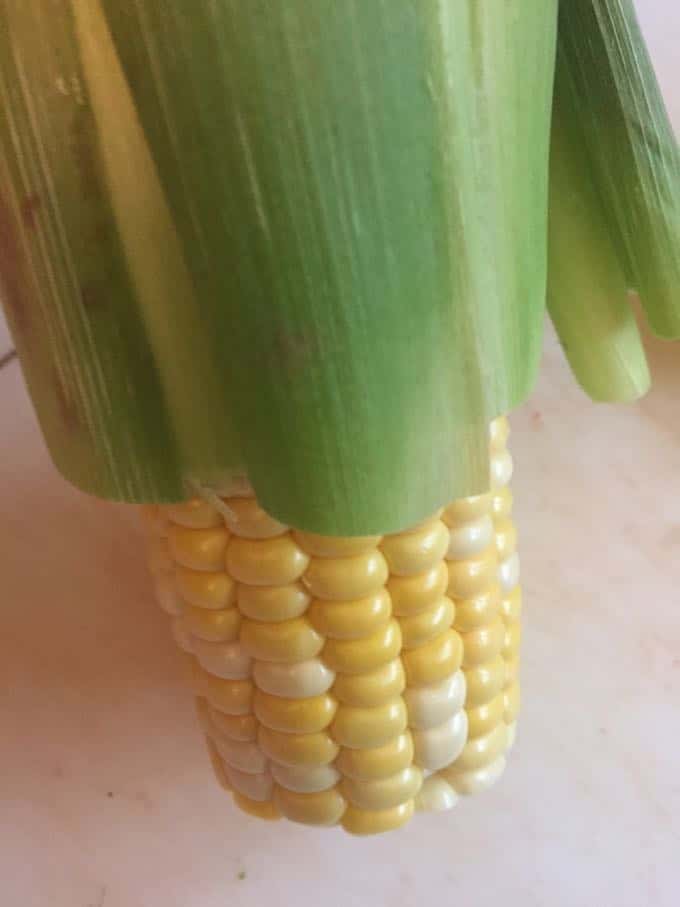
<point x="361" y="189"/>
<point x="610" y="105"/>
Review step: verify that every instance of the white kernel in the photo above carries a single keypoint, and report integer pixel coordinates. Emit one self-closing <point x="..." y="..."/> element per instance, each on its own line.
<point x="255" y="786"/>
<point x="508" y="573"/>
<point x="470" y="539"/>
<point x="167" y="595"/>
<point x="501" y="469"/>
<point x="223" y="659"/>
<point x="430" y="706"/>
<point x="438" y="747"/>
<point x="305" y="779"/>
<point x="247" y="757"/>
<point x="293" y="681"/>
<point x="436" y="795"/>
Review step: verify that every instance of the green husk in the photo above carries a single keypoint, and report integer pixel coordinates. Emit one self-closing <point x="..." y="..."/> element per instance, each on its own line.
<point x="361" y="190"/>
<point x="113" y="413"/>
<point x="588" y="296"/>
<point x="611" y="106"/>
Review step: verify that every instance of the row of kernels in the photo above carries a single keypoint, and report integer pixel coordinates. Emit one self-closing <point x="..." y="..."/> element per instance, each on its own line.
<point x="431" y="652"/>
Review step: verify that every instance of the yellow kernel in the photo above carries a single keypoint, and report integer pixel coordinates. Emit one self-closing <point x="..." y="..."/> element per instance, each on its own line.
<point x="362" y="728"/>
<point x="351" y="619"/>
<point x="345" y="578"/>
<point x="484" y="682"/>
<point x="235" y="697"/>
<point x="356" y="656"/>
<point x="373" y="688"/>
<point x="512" y="641"/>
<point x="511" y="703"/>
<point x="482" y="751"/>
<point x="217" y="765"/>
<point x="414" y="594"/>
<point x="272" y="603"/>
<point x="472" y="577"/>
<point x="322" y="808"/>
<point x="408" y="554"/>
<point x="511" y="605"/>
<point x="501" y="503"/>
<point x="246" y="519"/>
<point x="426" y="626"/>
<point x="506" y="538"/>
<point x="213" y="626"/>
<point x="297" y="749"/>
<point x="472" y="613"/>
<point x="499" y="433"/>
<point x="374" y="822"/>
<point x="434" y="661"/>
<point x="377" y="762"/>
<point x="198" y="549"/>
<point x="511" y="673"/>
<point x="237" y="727"/>
<point x="266" y="562"/>
<point x="336" y="546"/>
<point x="205" y="590"/>
<point x="484" y="718"/>
<point x="483" y="644"/>
<point x="294" y="716"/>
<point x="285" y="642"/>
<point x="266" y="809"/>
<point x="194" y="514"/>
<point x="467" y="510"/>
<point x="383" y="793"/>
<point x="475" y="781"/>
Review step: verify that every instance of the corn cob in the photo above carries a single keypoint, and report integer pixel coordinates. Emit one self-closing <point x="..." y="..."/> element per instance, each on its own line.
<point x="347" y="680"/>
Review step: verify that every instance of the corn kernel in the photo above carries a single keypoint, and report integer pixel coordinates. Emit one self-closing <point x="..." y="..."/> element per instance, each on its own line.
<point x="373" y="688"/>
<point x="237" y="727"/>
<point x="426" y="626"/>
<point x="484" y="718"/>
<point x="483" y="644"/>
<point x="484" y="682"/>
<point x="322" y="808"/>
<point x="414" y="594"/>
<point x="346" y="578"/>
<point x="377" y="762"/>
<point x="471" y="539"/>
<point x="361" y="728"/>
<point x="285" y="642"/>
<point x="167" y="595"/>
<point x="436" y="795"/>
<point x="475" y="781"/>
<point x="267" y="562"/>
<point x="217" y="765"/>
<point x="473" y="613"/>
<point x="198" y="549"/>
<point x="511" y="671"/>
<point x="374" y="822"/>
<point x="356" y="656"/>
<point x="272" y="604"/>
<point x="512" y="639"/>
<point x="244" y="756"/>
<point x="213" y="626"/>
<point x="297" y="749"/>
<point x="506" y="538"/>
<point x="305" y="779"/>
<point x="246" y="519"/>
<point x="383" y="793"/>
<point x="467" y="510"/>
<point x="508" y="574"/>
<point x="336" y="546"/>
<point x="257" y="787"/>
<point x="235" y="697"/>
<point x="435" y="661"/>
<point x="194" y="514"/>
<point x="294" y="716"/>
<point x="206" y="590"/>
<point x="511" y="605"/>
<point x="417" y="551"/>
<point x="471" y="578"/>
<point x="432" y="705"/>
<point x="480" y="752"/>
<point x="501" y="469"/>
<point x="501" y="503"/>
<point x="223" y="659"/>
<point x="351" y="619"/>
<point x="293" y="681"/>
<point x="437" y="747"/>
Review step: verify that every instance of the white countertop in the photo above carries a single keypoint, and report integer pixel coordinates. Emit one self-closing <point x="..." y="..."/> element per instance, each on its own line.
<point x="106" y="795"/>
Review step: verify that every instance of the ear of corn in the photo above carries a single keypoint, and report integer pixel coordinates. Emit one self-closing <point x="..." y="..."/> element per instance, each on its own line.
<point x="342" y="680"/>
